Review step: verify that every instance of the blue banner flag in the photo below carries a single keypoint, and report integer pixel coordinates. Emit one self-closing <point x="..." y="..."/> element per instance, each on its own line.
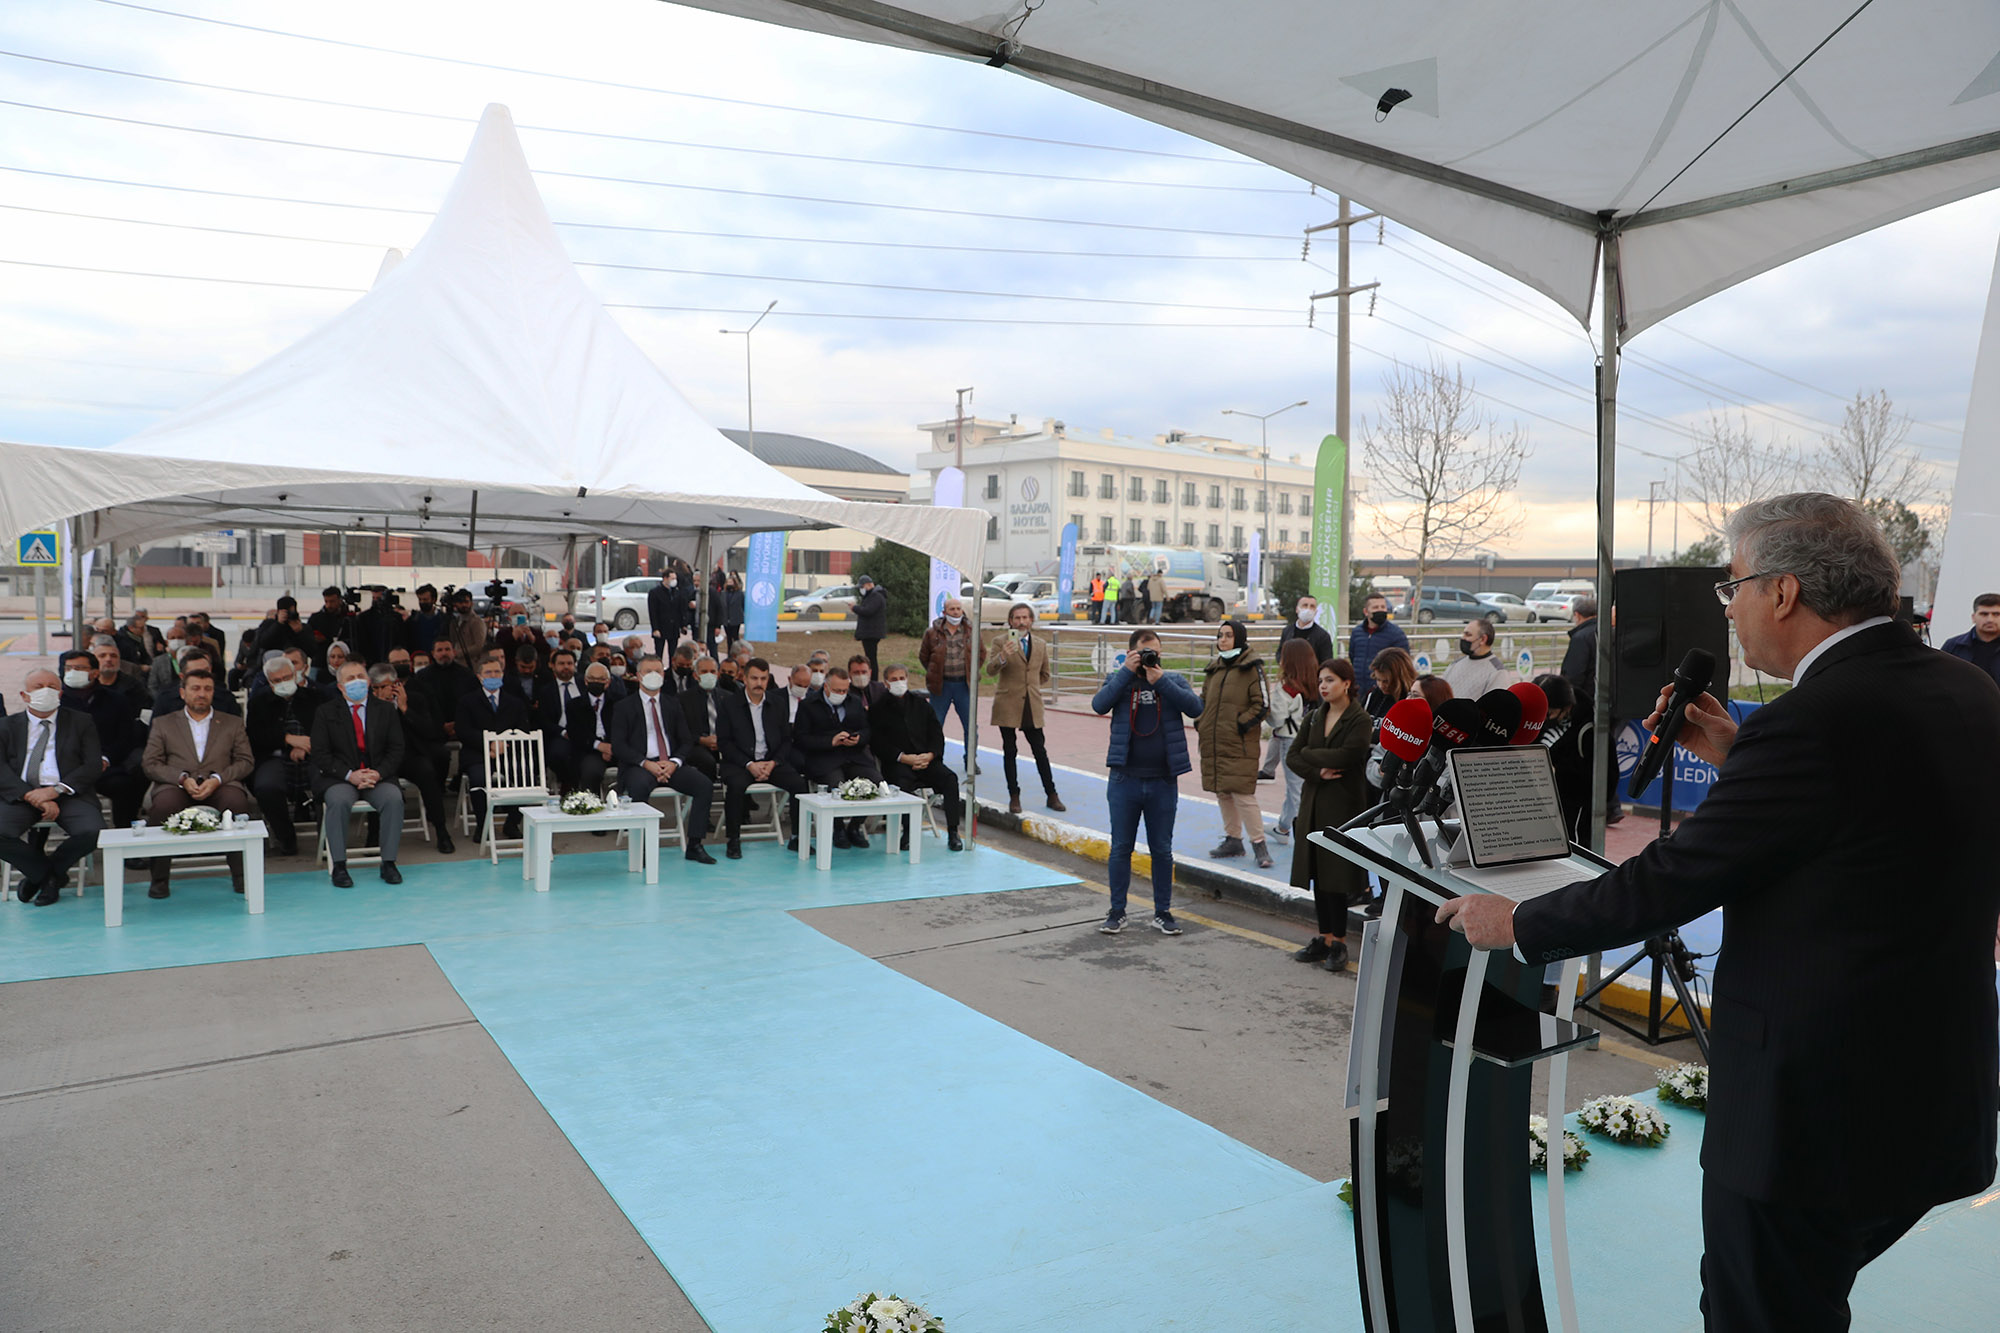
<point x="1066" y="575"/>
<point x="763" y="586"/>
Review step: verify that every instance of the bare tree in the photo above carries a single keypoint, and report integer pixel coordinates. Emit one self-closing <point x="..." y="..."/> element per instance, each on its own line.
<point x="1867" y="459"/>
<point x="1443" y="472"/>
<point x="1730" y="467"/>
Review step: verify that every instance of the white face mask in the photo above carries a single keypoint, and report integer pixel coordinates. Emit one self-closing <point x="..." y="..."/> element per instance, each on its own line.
<point x="1307" y="614"/>
<point x="652" y="681"/>
<point x="45" y="699"/>
<point x="954" y="620"/>
<point x="899" y="688"/>
<point x="708" y="679"/>
<point x="1226" y="653"/>
<point x="835" y="700"/>
<point x="798" y="691"/>
<point x="617" y="668"/>
<point x="285" y="689"/>
<point x="861" y="680"/>
<point x="177" y="646"/>
<point x="818" y="679"/>
<point x="75" y="679"/>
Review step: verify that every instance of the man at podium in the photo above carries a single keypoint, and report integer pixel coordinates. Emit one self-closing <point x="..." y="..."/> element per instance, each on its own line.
<point x="1829" y="1027"/>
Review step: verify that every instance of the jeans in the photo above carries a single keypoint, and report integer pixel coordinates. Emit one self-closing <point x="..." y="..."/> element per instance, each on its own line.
<point x="1158" y="607"/>
<point x="1156" y="800"/>
<point x="955" y="694"/>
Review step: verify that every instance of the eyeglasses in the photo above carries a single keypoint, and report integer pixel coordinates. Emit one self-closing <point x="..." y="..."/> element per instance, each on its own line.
<point x="1726" y="592"/>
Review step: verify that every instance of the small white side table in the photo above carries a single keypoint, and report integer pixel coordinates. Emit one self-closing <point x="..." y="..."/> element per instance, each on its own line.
<point x="115" y="845"/>
<point x="539" y="826"/>
<point x="902" y="810"/>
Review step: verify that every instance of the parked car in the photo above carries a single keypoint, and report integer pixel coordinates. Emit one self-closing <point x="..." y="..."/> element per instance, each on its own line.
<point x="1443" y="604"/>
<point x="1504" y="606"/>
<point x="624" y="605"/>
<point x="1562" y="606"/>
<point x="998" y="602"/>
<point x="835" y="600"/>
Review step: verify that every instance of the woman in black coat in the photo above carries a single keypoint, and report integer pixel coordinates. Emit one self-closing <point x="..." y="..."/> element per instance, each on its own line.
<point x="1330" y="753"/>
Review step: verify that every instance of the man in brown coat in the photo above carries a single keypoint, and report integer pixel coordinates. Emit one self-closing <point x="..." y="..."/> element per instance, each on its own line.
<point x="197" y="756"/>
<point x="1020" y="662"/>
<point x="946" y="655"/>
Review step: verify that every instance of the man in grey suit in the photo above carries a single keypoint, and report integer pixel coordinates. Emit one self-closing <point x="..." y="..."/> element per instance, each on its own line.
<point x="49" y="762"/>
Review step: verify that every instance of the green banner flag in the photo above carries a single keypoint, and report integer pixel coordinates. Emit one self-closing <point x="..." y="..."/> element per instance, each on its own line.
<point x="1328" y="536"/>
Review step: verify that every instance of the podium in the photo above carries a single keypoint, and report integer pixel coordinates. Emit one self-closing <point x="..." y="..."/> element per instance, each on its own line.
<point x="1438" y="1099"/>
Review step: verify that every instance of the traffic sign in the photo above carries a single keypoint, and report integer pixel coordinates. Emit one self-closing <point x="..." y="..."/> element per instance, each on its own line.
<point x="39" y="550"/>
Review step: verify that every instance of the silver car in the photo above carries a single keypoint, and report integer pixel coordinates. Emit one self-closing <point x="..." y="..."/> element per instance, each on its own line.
<point x="624" y="602"/>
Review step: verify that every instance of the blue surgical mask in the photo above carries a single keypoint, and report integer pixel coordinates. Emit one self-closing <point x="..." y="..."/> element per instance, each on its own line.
<point x="491" y="684"/>
<point x="355" y="690"/>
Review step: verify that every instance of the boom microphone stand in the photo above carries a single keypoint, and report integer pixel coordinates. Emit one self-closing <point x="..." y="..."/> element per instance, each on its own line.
<point x="1670" y="958"/>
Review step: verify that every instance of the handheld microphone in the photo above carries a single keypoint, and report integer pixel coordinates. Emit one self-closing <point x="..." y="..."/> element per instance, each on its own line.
<point x="1405" y="735"/>
<point x="1696" y="670"/>
<point x="1499" y="717"/>
<point x="1534" y="713"/>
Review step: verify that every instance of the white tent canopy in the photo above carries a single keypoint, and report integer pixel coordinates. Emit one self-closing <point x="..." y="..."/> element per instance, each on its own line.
<point x="1720" y="138"/>
<point x="477" y="393"/>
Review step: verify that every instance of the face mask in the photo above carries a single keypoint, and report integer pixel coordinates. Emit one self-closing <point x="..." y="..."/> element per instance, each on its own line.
<point x="708" y="679"/>
<point x="491" y="684"/>
<point x="1307" y="614"/>
<point x="861" y="680"/>
<point x="596" y="686"/>
<point x="1226" y="653"/>
<point x="1465" y="646"/>
<point x="899" y="688"/>
<point x="402" y="670"/>
<point x="285" y="689"/>
<point x="355" y="691"/>
<point x="671" y="583"/>
<point x="818" y="679"/>
<point x="45" y="699"/>
<point x="798" y="691"/>
<point x="76" y="680"/>
<point x="617" y="669"/>
<point x="835" y="700"/>
<point x="954" y="620"/>
<point x="178" y="647"/>
<point x="652" y="680"/>
<point x="1378" y="618"/>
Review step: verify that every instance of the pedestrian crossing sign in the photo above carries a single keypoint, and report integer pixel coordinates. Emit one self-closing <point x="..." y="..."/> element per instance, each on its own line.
<point x="39" y="549"/>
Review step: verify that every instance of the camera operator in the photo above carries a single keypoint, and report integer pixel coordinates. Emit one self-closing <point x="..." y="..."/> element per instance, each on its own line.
<point x="1147" y="754"/>
<point x="380" y="627"/>
<point x="327" y="625"/>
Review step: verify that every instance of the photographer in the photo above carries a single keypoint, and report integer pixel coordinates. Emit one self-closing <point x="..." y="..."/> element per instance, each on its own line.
<point x="1148" y="752"/>
<point x="326" y="625"/>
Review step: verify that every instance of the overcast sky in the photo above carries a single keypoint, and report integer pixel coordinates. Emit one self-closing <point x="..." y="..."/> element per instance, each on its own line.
<point x="924" y="224"/>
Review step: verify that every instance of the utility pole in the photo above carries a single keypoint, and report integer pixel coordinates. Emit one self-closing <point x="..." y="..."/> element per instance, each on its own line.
<point x="1344" y="288"/>
<point x="749" y="394"/>
<point x="1653" y="500"/>
<point x="958" y="431"/>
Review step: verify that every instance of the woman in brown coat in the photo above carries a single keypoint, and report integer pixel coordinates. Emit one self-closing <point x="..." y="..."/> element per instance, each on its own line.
<point x="1231" y="732"/>
<point x="1330" y="752"/>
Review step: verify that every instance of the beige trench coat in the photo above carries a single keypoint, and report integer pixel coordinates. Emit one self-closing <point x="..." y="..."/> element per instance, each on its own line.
<point x="1020" y="685"/>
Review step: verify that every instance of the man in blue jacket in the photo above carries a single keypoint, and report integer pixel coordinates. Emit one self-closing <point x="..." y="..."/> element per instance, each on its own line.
<point x="1148" y="753"/>
<point x="1374" y="632"/>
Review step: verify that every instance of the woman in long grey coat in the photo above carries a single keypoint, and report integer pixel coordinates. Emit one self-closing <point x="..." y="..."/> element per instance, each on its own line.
<point x="1330" y="753"/>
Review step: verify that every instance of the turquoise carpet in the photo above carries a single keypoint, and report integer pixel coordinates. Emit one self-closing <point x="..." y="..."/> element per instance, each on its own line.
<point x="788" y="1123"/>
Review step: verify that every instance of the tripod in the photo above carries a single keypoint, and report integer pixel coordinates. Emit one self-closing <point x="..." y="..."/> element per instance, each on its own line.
<point x="1670" y="958"/>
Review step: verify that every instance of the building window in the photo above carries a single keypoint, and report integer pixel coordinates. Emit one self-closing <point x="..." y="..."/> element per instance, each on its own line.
<point x="1077" y="487"/>
<point x="1104" y="528"/>
<point x="1236" y="539"/>
<point x="1077" y="519"/>
<point x="1263" y="501"/>
<point x="1135" y="530"/>
<point x="1190" y="495"/>
<point x="1214" y="535"/>
<point x="1160" y="491"/>
<point x="1214" y="499"/>
<point x="1107" y="486"/>
<point x="993" y="485"/>
<point x="1187" y="534"/>
<point x="1284" y="502"/>
<point x="1135" y="488"/>
<point x="993" y="527"/>
<point x="1236" y="500"/>
<point x="1284" y="536"/>
<point x="1159" y="532"/>
<point x="1306" y="505"/>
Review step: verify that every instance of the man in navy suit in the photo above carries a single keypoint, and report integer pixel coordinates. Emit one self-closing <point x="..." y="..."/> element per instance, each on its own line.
<point x="357" y="752"/>
<point x="1830" y="1024"/>
<point x="553" y="698"/>
<point x="490" y="708"/>
<point x="756" y="736"/>
<point x="49" y="762"/>
<point x="832" y="733"/>
<point x="652" y="747"/>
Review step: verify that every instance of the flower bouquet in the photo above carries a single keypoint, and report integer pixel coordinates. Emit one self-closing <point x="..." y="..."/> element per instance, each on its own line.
<point x="1574" y="1153"/>
<point x="582" y="803"/>
<point x="858" y="789"/>
<point x="1685" y="1085"/>
<point x="195" y="819"/>
<point x="870" y="1313"/>
<point x="1624" y="1120"/>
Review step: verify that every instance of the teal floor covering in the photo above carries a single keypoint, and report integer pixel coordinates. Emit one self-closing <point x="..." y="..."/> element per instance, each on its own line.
<point x="788" y="1123"/>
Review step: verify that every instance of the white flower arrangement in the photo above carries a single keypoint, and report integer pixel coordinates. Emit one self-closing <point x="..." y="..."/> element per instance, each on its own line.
<point x="1685" y="1085"/>
<point x="858" y="789"/>
<point x="582" y="803"/>
<point x="195" y="819"/>
<point x="1625" y="1120"/>
<point x="1574" y="1153"/>
<point x="869" y="1313"/>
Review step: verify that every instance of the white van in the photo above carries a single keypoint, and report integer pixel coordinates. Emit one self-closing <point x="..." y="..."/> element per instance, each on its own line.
<point x="1551" y="601"/>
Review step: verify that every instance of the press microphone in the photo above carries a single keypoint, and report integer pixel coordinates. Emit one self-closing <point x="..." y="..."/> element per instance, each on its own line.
<point x="1499" y="718"/>
<point x="1696" y="670"/>
<point x="1405" y="735"/>
<point x="1534" y="712"/>
<point x="1452" y="725"/>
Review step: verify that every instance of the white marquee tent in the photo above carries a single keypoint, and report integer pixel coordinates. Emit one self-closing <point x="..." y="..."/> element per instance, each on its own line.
<point x="478" y="393"/>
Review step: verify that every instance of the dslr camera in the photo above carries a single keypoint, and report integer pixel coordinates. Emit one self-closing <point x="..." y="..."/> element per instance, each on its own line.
<point x="1149" y="657"/>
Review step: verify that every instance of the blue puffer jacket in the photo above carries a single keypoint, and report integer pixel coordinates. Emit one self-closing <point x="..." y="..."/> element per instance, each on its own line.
<point x="1176" y="696"/>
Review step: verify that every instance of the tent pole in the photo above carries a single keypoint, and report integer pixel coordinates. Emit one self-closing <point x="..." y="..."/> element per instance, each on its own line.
<point x="77" y="638"/>
<point x="1611" y="306"/>
<point x="702" y="628"/>
<point x="110" y="583"/>
<point x="472" y="536"/>
<point x="972" y="718"/>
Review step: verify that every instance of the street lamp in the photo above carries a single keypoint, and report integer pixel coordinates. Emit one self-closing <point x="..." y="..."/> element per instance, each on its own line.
<point x="1264" y="447"/>
<point x="749" y="403"/>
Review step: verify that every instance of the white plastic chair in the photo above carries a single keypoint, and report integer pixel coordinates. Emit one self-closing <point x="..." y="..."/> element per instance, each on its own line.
<point x="56" y="836"/>
<point x="515" y="776"/>
<point x="362" y="853"/>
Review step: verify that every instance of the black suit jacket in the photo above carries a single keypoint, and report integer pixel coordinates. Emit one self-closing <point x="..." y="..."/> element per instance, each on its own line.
<point x="334" y="754"/>
<point x="79" y="756"/>
<point x="694" y="709"/>
<point x="475" y="716"/>
<point x="120" y="733"/>
<point x="629" y="726"/>
<point x="908" y="725"/>
<point x="583" y="718"/>
<point x="1876" y="772"/>
<point x="738" y="738"/>
<point x="815" y="727"/>
<point x="551" y="714"/>
<point x="265" y="720"/>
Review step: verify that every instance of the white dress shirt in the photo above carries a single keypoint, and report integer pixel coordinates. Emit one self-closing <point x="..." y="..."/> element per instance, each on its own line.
<point x="1805" y="663"/>
<point x="200" y="731"/>
<point x="759" y="750"/>
<point x="656" y="727"/>
<point x="51" y="772"/>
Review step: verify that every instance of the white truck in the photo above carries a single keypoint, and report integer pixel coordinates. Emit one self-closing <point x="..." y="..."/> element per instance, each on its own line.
<point x="1195" y="585"/>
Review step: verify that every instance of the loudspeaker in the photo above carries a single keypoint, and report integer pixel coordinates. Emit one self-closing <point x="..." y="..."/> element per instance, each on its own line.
<point x="1661" y="614"/>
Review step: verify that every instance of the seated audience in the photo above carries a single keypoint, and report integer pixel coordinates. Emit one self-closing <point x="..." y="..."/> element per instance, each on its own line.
<point x="650" y="741"/>
<point x="488" y="710"/>
<point x="908" y="741"/>
<point x="50" y="761"/>
<point x="357" y="754"/>
<point x="425" y="760"/>
<point x="121" y="736"/>
<point x="589" y="721"/>
<point x="861" y="675"/>
<point x="279" y="725"/>
<point x="698" y="705"/>
<point x="113" y="674"/>
<point x="755" y="736"/>
<point x="832" y="733"/>
<point x="196" y="755"/>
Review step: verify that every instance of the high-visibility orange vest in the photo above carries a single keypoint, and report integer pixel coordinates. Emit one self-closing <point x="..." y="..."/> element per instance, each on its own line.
<point x="1097" y="588"/>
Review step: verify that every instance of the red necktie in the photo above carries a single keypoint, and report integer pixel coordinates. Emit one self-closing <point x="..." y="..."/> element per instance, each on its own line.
<point x="659" y="736"/>
<point x="360" y="734"/>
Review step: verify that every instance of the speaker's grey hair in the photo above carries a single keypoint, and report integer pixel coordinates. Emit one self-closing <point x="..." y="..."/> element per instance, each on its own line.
<point x="1835" y="548"/>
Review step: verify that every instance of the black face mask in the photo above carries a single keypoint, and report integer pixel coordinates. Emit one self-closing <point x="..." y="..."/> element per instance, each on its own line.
<point x="596" y="686"/>
<point x="402" y="671"/>
<point x="1378" y="618"/>
<point x="1465" y="646"/>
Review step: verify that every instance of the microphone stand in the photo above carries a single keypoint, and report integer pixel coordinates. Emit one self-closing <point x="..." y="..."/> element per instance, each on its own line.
<point x="1670" y="958"/>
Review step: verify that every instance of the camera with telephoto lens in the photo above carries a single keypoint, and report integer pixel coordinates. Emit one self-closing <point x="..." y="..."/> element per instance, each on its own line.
<point x="1149" y="657"/>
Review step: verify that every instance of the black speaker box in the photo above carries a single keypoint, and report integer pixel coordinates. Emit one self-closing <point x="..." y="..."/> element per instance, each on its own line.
<point x="1661" y="614"/>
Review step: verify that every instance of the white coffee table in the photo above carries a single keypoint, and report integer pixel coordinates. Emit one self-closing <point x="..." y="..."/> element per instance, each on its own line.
<point x="816" y="809"/>
<point x="116" y="845"/>
<point x="539" y="826"/>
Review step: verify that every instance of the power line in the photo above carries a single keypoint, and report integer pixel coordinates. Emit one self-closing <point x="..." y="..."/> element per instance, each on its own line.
<point x="644" y="139"/>
<point x="668" y="92"/>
